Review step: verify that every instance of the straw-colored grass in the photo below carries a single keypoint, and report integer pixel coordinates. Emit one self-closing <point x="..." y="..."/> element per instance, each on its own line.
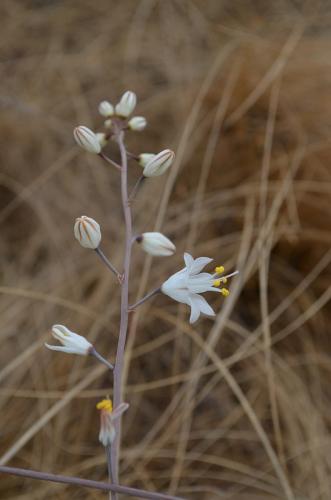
<point x="237" y="407"/>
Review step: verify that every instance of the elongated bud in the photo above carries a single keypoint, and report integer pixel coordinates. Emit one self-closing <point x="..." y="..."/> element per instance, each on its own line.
<point x="126" y="105"/>
<point x="159" y="164"/>
<point x="87" y="139"/>
<point x="87" y="232"/>
<point x="106" y="109"/>
<point x="137" y="123"/>
<point x="156" y="244"/>
<point x="72" y="343"/>
<point x="144" y="158"/>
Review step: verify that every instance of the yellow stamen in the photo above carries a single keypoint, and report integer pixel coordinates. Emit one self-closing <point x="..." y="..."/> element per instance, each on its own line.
<point x="224" y="291"/>
<point x="105" y="404"/>
<point x="219" y="269"/>
<point x="217" y="283"/>
<point x="223" y="280"/>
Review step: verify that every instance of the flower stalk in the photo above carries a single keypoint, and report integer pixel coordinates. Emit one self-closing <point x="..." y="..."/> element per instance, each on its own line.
<point x="119" y="361"/>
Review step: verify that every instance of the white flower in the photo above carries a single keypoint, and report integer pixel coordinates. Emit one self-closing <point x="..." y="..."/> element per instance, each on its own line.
<point x="107" y="418"/>
<point x="137" y="123"/>
<point x="159" y="163"/>
<point x="72" y="342"/>
<point x="106" y="108"/>
<point x="144" y="158"/>
<point x="126" y="105"/>
<point x="87" y="139"/>
<point x="156" y="244"/>
<point x="87" y="232"/>
<point x="186" y="285"/>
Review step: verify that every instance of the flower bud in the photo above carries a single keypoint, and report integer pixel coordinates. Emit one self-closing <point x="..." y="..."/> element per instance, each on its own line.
<point x="159" y="164"/>
<point x="87" y="139"/>
<point x="101" y="138"/>
<point x="144" y="158"/>
<point x="108" y="123"/>
<point x="72" y="343"/>
<point x="126" y="105"/>
<point x="87" y="232"/>
<point x="156" y="244"/>
<point x="137" y="123"/>
<point x="106" y="108"/>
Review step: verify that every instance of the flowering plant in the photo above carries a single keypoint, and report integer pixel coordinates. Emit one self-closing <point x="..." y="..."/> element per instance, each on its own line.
<point x="185" y="286"/>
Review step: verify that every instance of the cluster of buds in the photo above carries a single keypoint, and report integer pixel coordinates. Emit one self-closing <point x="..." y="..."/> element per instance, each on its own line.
<point x="116" y="117"/>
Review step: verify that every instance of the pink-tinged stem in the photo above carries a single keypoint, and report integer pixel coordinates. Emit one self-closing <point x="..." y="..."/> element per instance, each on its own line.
<point x="144" y="299"/>
<point x="85" y="483"/>
<point x="110" y="161"/>
<point x="119" y="361"/>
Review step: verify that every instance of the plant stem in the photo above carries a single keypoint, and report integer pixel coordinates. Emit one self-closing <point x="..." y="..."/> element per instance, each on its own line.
<point x="110" y="161"/>
<point x="110" y="266"/>
<point x="112" y="494"/>
<point x="136" y="187"/>
<point x="119" y="362"/>
<point x="144" y="299"/>
<point x="98" y="356"/>
<point x="86" y="483"/>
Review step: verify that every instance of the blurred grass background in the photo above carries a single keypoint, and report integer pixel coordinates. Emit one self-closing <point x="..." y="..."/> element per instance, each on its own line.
<point x="237" y="407"/>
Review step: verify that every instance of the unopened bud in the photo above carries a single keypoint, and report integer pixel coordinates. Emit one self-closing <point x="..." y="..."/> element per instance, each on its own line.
<point x="156" y="244"/>
<point x="127" y="104"/>
<point x="87" y="139"/>
<point x="159" y="164"/>
<point x="144" y="158"/>
<point x="106" y="108"/>
<point x="101" y="138"/>
<point x="108" y="123"/>
<point x="87" y="232"/>
<point x="137" y="123"/>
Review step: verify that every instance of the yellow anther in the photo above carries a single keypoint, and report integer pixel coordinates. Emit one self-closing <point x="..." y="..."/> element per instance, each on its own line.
<point x="217" y="283"/>
<point x="219" y="269"/>
<point x="223" y="280"/>
<point x="224" y="291"/>
<point x="105" y="404"/>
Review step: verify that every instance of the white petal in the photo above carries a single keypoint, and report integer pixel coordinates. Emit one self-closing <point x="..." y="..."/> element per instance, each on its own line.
<point x="199" y="283"/>
<point x="195" y="310"/>
<point x="178" y="294"/>
<point x="199" y="264"/>
<point x="59" y="348"/>
<point x="188" y="260"/>
<point x="202" y="304"/>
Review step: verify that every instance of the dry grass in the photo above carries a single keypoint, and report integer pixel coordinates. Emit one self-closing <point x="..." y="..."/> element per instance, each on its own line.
<point x="236" y="408"/>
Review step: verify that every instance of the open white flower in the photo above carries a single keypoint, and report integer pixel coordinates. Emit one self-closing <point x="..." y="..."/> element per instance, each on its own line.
<point x="107" y="417"/>
<point x="72" y="343"/>
<point x="186" y="285"/>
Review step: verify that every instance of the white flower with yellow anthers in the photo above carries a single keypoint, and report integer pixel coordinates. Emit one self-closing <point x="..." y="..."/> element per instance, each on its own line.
<point x="107" y="417"/>
<point x="186" y="285"/>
